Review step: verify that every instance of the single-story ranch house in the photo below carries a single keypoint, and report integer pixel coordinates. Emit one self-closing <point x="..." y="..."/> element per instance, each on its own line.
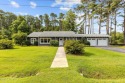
<point x="44" y="37"/>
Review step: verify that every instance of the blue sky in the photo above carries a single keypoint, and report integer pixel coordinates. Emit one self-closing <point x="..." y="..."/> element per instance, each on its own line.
<point x="35" y="7"/>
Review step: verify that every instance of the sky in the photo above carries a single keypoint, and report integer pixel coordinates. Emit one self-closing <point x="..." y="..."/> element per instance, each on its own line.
<point x="41" y="7"/>
<point x="37" y="7"/>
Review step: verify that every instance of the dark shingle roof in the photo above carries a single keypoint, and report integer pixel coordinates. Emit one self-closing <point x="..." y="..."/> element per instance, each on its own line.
<point x="63" y="34"/>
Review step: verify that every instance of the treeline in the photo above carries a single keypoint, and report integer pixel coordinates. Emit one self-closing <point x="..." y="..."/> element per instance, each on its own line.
<point x="103" y="13"/>
<point x="12" y="25"/>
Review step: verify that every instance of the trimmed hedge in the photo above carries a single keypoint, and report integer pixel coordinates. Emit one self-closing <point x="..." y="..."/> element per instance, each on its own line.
<point x="74" y="47"/>
<point x="54" y="43"/>
<point x="6" y="44"/>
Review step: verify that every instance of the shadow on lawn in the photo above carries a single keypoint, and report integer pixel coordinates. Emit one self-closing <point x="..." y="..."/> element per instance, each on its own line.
<point x="10" y="49"/>
<point x="87" y="54"/>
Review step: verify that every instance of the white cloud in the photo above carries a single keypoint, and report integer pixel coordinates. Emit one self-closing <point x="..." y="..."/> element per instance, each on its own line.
<point x="64" y="8"/>
<point x="33" y="4"/>
<point x="14" y="4"/>
<point x="57" y="2"/>
<point x="67" y="4"/>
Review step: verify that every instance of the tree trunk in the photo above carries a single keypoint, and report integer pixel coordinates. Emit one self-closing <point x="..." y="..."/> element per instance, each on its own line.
<point x="100" y="25"/>
<point x="107" y="25"/>
<point x="124" y="26"/>
<point x="83" y="29"/>
<point x="111" y="26"/>
<point x="92" y="25"/>
<point x="85" y="24"/>
<point x="100" y="22"/>
<point x="115" y="27"/>
<point x="89" y="25"/>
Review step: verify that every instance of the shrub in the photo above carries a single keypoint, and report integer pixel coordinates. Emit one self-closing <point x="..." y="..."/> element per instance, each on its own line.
<point x="74" y="47"/>
<point x="36" y="43"/>
<point x="87" y="43"/>
<point x="84" y="41"/>
<point x="54" y="43"/>
<point x="20" y="38"/>
<point x="27" y="42"/>
<point x="6" y="44"/>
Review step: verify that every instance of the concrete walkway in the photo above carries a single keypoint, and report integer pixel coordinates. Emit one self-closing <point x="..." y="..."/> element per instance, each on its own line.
<point x="60" y="60"/>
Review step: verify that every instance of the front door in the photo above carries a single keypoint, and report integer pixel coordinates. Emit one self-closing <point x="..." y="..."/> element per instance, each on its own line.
<point x="61" y="41"/>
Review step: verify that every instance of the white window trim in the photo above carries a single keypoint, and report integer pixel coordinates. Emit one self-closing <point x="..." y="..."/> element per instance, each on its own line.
<point x="45" y="42"/>
<point x="88" y="38"/>
<point x="32" y="40"/>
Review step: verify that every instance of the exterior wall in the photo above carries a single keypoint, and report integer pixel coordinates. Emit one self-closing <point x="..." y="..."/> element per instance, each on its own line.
<point x="55" y="38"/>
<point x="93" y="41"/>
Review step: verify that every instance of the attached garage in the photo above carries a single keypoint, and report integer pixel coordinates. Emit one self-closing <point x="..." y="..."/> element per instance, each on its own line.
<point x="93" y="41"/>
<point x="103" y="42"/>
<point x="98" y="41"/>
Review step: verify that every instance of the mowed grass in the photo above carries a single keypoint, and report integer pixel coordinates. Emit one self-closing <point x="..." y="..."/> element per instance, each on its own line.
<point x="32" y="65"/>
<point x="25" y="61"/>
<point x="123" y="47"/>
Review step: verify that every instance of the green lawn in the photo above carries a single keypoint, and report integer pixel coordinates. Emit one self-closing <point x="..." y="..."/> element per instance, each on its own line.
<point x="32" y="65"/>
<point x="123" y="47"/>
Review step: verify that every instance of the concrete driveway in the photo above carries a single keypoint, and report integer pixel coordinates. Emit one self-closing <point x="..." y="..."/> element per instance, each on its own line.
<point x="116" y="49"/>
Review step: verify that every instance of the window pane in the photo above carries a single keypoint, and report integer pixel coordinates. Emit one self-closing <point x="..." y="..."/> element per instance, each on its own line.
<point x="42" y="41"/>
<point x="48" y="40"/>
<point x="45" y="40"/>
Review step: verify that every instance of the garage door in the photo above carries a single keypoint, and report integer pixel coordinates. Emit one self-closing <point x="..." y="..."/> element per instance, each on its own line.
<point x="93" y="41"/>
<point x="103" y="42"/>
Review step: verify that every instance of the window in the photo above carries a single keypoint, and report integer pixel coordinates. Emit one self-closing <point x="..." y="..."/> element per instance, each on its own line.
<point x="100" y="38"/>
<point x="48" y="40"/>
<point x="89" y="38"/>
<point x="44" y="40"/>
<point x="33" y="40"/>
<point x="104" y="38"/>
<point x="93" y="39"/>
